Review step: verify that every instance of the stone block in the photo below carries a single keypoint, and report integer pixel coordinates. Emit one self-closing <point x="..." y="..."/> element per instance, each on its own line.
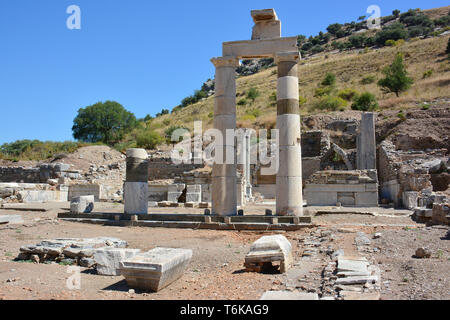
<point x="11" y="219"/>
<point x="269" y="249"/>
<point x="410" y="199"/>
<point x="108" y="259"/>
<point x="82" y="204"/>
<point x="316" y="198"/>
<point x="155" y="269"/>
<point x="266" y="48"/>
<point x="366" y="199"/>
<point x="194" y="197"/>
<point x="135" y="197"/>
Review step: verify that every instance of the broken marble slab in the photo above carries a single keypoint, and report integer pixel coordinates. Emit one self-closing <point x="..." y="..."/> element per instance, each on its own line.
<point x="155" y="269"/>
<point x="11" y="219"/>
<point x="288" y="295"/>
<point x="269" y="249"/>
<point x="73" y="248"/>
<point x="108" y="259"/>
<point x="352" y="266"/>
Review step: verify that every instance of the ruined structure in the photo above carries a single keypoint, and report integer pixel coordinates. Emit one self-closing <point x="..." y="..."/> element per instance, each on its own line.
<point x="266" y="43"/>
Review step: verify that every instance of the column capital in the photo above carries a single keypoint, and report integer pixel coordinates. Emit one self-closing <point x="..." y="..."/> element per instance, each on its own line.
<point x="291" y="56"/>
<point x="229" y="61"/>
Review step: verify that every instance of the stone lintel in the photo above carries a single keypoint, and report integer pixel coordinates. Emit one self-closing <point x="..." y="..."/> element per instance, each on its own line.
<point x="264" y="15"/>
<point x="267" y="48"/>
<point x="227" y="61"/>
<point x="287" y="56"/>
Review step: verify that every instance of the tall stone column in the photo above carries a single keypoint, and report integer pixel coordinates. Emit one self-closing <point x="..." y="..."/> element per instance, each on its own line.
<point x="224" y="193"/>
<point x="366" y="145"/>
<point x="289" y="177"/>
<point x="136" y="185"/>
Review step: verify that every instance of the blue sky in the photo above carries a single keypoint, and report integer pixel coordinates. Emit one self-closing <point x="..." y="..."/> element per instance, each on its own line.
<point x="147" y="55"/>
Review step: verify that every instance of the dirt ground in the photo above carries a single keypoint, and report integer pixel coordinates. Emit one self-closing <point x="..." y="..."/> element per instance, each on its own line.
<point x="216" y="270"/>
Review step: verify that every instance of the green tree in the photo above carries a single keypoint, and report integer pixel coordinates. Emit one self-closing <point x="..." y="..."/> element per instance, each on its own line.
<point x="148" y="139"/>
<point x="105" y="122"/>
<point x="334" y="28"/>
<point x="396" y="13"/>
<point x="396" y="77"/>
<point x="395" y="31"/>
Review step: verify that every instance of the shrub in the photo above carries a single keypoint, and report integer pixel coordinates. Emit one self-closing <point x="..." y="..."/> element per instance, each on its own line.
<point x="358" y="40"/>
<point x="425" y="106"/>
<point x="320" y="92"/>
<point x="427" y="74"/>
<point x="166" y="122"/>
<point x="347" y="94"/>
<point x="442" y="21"/>
<point x="169" y="131"/>
<point x="330" y="103"/>
<point x="316" y="49"/>
<point x="253" y="93"/>
<point x="148" y="139"/>
<point x="254" y="112"/>
<point x="365" y="102"/>
<point x="242" y="102"/>
<point x="329" y="80"/>
<point x="301" y="100"/>
<point x="273" y="96"/>
<point x="390" y="43"/>
<point x="368" y="79"/>
<point x="248" y="117"/>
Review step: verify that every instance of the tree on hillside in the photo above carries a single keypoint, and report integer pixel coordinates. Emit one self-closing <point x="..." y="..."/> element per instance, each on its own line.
<point x="396" y="13"/>
<point x="105" y="122"/>
<point x="334" y="28"/>
<point x="396" y="77"/>
<point x="448" y="47"/>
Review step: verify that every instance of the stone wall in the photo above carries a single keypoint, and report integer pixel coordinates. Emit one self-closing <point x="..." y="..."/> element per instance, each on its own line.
<point x="164" y="168"/>
<point x="357" y="188"/>
<point x="96" y="190"/>
<point x="39" y="174"/>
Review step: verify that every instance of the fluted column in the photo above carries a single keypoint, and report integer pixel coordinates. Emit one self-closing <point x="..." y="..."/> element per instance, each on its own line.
<point x="289" y="177"/>
<point x="224" y="193"/>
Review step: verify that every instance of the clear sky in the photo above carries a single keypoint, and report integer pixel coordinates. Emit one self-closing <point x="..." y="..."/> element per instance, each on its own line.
<point x="147" y="55"/>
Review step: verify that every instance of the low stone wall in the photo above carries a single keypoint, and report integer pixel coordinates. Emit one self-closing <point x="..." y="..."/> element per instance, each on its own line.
<point x="164" y="168"/>
<point x="77" y="190"/>
<point x="33" y="192"/>
<point x="39" y="174"/>
<point x="358" y="188"/>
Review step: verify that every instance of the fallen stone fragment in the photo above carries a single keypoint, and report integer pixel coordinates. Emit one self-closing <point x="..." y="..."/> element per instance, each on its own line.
<point x="361" y="239"/>
<point x="288" y="295"/>
<point x="269" y="249"/>
<point x="423" y="253"/>
<point x="11" y="219"/>
<point x="82" y="204"/>
<point x="108" y="259"/>
<point x="352" y="266"/>
<point x="356" y="280"/>
<point x="155" y="269"/>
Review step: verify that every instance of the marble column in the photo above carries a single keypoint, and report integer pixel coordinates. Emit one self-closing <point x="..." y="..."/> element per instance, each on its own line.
<point x="366" y="154"/>
<point x="224" y="193"/>
<point x="136" y="185"/>
<point x="289" y="199"/>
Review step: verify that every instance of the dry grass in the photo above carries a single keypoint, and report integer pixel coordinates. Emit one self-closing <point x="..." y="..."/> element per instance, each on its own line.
<point x="350" y="68"/>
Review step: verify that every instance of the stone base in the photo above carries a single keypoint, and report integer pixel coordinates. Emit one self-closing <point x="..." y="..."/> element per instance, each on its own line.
<point x="156" y="268"/>
<point x="136" y="197"/>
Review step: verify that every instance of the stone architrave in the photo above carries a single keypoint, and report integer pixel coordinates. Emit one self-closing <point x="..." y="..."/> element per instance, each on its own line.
<point x="289" y="177"/>
<point x="136" y="184"/>
<point x="365" y="142"/>
<point x="224" y="193"/>
<point x="155" y="269"/>
<point x="269" y="249"/>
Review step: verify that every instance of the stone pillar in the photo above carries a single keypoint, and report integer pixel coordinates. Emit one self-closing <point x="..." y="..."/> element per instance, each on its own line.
<point x="247" y="154"/>
<point x="224" y="193"/>
<point x="289" y="200"/>
<point x="366" y="145"/>
<point x="136" y="185"/>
